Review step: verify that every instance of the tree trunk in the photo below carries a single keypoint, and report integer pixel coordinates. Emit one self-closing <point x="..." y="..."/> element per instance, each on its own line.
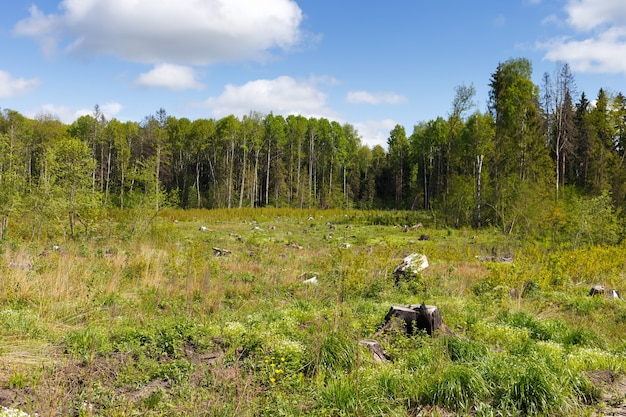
<point x="156" y="183"/>
<point x="243" y="174"/>
<point x="255" y="185"/>
<point x="198" y="203"/>
<point x="106" y="189"/>
<point x="479" y="161"/>
<point x="267" y="175"/>
<point x="311" y="150"/>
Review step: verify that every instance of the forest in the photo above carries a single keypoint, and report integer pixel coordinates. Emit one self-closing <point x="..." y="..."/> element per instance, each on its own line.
<point x="540" y="160"/>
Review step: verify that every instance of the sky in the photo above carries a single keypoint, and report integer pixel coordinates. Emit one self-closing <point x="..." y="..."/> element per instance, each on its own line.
<point x="368" y="63"/>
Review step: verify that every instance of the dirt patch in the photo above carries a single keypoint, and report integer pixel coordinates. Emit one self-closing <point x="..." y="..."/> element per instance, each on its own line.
<point x="612" y="388"/>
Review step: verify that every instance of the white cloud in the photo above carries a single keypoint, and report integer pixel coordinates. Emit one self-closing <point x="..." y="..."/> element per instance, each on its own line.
<point x="109" y="110"/>
<point x="374" y="98"/>
<point x="605" y="53"/>
<point x="603" y="50"/>
<point x="283" y="95"/>
<point x="173" y="77"/>
<point x="63" y="113"/>
<point x="589" y="14"/>
<point x="375" y="132"/>
<point x="12" y="87"/>
<point x="68" y="115"/>
<point x="189" y="32"/>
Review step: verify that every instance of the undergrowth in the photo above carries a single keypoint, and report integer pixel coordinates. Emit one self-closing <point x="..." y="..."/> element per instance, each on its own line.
<point x="147" y="319"/>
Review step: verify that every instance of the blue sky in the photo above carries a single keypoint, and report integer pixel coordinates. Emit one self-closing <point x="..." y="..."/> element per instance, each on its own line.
<point x="367" y="63"/>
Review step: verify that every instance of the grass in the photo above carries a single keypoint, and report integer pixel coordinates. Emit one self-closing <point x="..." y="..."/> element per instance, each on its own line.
<point x="143" y="318"/>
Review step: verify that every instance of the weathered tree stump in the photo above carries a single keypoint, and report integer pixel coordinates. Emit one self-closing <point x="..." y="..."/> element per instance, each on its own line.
<point x="377" y="351"/>
<point x="602" y="291"/>
<point x="415" y="318"/>
<point x="221" y="252"/>
<point x="410" y="265"/>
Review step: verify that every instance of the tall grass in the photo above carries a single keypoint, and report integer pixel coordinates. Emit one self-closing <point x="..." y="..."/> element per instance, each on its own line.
<point x="145" y="319"/>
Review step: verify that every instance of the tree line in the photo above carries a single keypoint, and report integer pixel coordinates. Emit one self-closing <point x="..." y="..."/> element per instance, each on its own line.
<point x="533" y="154"/>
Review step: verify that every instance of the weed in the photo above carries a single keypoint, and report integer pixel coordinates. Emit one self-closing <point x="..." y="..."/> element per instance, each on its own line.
<point x="18" y="379"/>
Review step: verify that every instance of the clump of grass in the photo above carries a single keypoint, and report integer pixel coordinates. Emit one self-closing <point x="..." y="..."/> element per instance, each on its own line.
<point x="456" y="387"/>
<point x="526" y="387"/>
<point x="462" y="350"/>
<point x="20" y="323"/>
<point x="333" y="352"/>
<point x="87" y="343"/>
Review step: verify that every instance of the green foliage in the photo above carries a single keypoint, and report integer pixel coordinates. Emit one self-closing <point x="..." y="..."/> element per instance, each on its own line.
<point x="593" y="221"/>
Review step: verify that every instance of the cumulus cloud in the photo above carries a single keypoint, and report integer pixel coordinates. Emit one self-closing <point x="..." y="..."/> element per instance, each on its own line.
<point x="68" y="114"/>
<point x="13" y="87"/>
<point x="374" y="98"/>
<point x="589" y="14"/>
<point x="605" y="53"/>
<point x="172" y="77"/>
<point x="283" y="95"/>
<point x="375" y="132"/>
<point x="599" y="44"/>
<point x="109" y="110"/>
<point x="190" y="32"/>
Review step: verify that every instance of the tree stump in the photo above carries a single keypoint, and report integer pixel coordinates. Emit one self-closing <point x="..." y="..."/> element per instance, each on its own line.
<point x="377" y="351"/>
<point x="611" y="294"/>
<point x="221" y="252"/>
<point x="410" y="266"/>
<point x="415" y="318"/>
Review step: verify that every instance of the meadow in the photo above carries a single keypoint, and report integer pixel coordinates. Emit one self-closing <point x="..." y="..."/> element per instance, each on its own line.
<point x="205" y="313"/>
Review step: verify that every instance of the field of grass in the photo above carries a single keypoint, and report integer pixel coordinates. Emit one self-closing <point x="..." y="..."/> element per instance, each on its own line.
<point x="143" y="318"/>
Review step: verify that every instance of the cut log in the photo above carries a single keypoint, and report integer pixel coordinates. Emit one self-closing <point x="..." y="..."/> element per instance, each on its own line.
<point x="596" y="290"/>
<point x="600" y="290"/>
<point x="415" y="318"/>
<point x="221" y="252"/>
<point x="377" y="351"/>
